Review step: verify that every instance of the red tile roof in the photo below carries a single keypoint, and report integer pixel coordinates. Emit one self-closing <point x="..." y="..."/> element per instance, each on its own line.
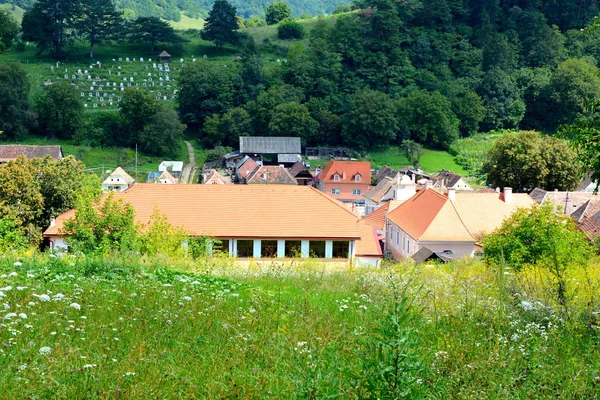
<point x="368" y="245"/>
<point x="247" y="167"/>
<point x="270" y="174"/>
<point x="347" y="170"/>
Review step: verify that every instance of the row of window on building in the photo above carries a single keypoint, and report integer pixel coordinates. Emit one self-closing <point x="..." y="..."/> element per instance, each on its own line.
<point x="269" y="248"/>
<point x="355" y="192"/>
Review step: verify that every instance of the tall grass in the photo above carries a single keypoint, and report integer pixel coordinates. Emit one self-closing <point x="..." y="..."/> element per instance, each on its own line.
<point x="160" y="328"/>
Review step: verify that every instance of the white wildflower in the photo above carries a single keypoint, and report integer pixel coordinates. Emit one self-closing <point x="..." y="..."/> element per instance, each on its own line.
<point x="12" y="274"/>
<point x="20" y="288"/>
<point x="129" y="374"/>
<point x="89" y="366"/>
<point x="58" y="296"/>
<point x="23" y="316"/>
<point x="44" y="298"/>
<point x="10" y="315"/>
<point x="17" y="263"/>
<point x="187" y="298"/>
<point x="53" y="333"/>
<point x="45" y="350"/>
<point x="2" y="295"/>
<point x="75" y="306"/>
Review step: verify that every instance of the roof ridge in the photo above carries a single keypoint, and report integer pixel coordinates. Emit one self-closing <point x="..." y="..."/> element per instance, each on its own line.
<point x="461" y="220"/>
<point x="333" y="201"/>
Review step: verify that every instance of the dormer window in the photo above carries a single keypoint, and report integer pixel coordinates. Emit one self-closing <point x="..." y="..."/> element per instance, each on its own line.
<point x="357" y="178"/>
<point x="336" y="178"/>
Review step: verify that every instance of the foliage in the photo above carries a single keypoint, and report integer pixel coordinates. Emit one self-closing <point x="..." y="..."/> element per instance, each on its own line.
<point x="60" y="111"/>
<point x="162" y="134"/>
<point x="11" y="237"/>
<point x="290" y="30"/>
<point x="413" y="151"/>
<point x="471" y="152"/>
<point x="50" y="24"/>
<point x="100" y="22"/>
<point x="35" y="190"/>
<point x="221" y="25"/>
<point x="159" y="237"/>
<point x="539" y="236"/>
<point x="15" y="115"/>
<point x="527" y="160"/>
<point x="8" y="29"/>
<point x="293" y="119"/>
<point x="277" y="12"/>
<point x="206" y="89"/>
<point x="102" y="227"/>
<point x="584" y="137"/>
<point x="153" y="31"/>
<point x="226" y="130"/>
<point x="371" y="120"/>
<point x="428" y="118"/>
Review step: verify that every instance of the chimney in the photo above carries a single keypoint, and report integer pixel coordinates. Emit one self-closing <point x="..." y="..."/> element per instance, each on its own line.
<point x="452" y="195"/>
<point x="52" y="221"/>
<point x="507" y="195"/>
<point x="414" y="178"/>
<point x="398" y="178"/>
<point x="427" y="184"/>
<point x="344" y="175"/>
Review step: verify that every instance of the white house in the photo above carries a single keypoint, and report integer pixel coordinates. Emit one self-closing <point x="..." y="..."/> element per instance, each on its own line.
<point x="117" y="181"/>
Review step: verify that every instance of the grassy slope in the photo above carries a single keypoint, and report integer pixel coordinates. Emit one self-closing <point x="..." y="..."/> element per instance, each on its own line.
<point x="131" y="329"/>
<point x="187" y="23"/>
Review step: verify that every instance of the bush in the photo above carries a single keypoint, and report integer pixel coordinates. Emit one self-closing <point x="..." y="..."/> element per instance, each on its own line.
<point x="290" y="30"/>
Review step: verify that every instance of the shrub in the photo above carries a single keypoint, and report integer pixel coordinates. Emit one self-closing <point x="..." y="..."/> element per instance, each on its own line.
<point x="290" y="30"/>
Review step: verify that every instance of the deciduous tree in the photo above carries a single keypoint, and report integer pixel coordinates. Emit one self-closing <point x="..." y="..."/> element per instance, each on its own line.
<point x="15" y="116"/>
<point x="8" y="29"/>
<point x="100" y="22"/>
<point x="277" y="12"/>
<point x="60" y="111"/>
<point x="527" y="160"/>
<point x="153" y="30"/>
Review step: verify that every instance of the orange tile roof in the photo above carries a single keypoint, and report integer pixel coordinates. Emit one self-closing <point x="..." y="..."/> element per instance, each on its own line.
<point x="247" y="167"/>
<point x="377" y="218"/>
<point x="368" y="245"/>
<point x="430" y="216"/>
<point x="214" y="175"/>
<point x="350" y="168"/>
<point x="240" y="211"/>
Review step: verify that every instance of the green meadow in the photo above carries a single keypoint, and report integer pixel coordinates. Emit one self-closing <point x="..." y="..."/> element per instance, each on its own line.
<point x="127" y="327"/>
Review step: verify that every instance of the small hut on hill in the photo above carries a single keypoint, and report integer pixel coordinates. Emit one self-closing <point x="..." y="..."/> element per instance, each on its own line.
<point x="164" y="57"/>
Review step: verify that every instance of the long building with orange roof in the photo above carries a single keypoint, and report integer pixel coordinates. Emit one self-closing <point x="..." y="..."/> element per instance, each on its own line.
<point x="252" y="221"/>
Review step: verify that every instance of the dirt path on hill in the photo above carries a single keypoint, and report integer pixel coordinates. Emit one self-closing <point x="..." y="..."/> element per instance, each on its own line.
<point x="189" y="170"/>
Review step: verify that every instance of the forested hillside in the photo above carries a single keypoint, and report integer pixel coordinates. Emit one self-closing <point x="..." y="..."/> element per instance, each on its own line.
<point x="173" y="9"/>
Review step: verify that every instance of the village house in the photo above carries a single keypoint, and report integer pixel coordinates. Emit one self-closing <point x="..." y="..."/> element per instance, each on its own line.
<point x="270" y="175"/>
<point x="301" y="173"/>
<point x="587" y="218"/>
<point x="449" y="180"/>
<point x="167" y="179"/>
<point x="454" y="222"/>
<point x="564" y="202"/>
<point x="253" y="221"/>
<point x="400" y="188"/>
<point x="11" y="152"/>
<point x="587" y="185"/>
<point x="243" y="168"/>
<point x="117" y="181"/>
<point x="345" y="181"/>
<point x="175" y="168"/>
<point x="212" y="177"/>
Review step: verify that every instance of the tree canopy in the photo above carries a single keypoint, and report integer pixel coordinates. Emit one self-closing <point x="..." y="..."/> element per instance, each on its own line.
<point x="528" y="160"/>
<point x="277" y="12"/>
<point x="221" y="25"/>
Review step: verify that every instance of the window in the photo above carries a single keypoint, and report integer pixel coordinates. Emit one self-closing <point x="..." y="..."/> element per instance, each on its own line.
<point x="245" y="248"/>
<point x="317" y="248"/>
<point x="220" y="247"/>
<point x="268" y="248"/>
<point x="357" y="178"/>
<point x="336" y="178"/>
<point x="341" y="249"/>
<point x="408" y="246"/>
<point x="356" y="192"/>
<point x="397" y="238"/>
<point x="293" y="248"/>
<point x="335" y="191"/>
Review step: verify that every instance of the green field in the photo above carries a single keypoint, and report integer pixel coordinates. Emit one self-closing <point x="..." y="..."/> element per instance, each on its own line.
<point x="187" y="23"/>
<point x="135" y="328"/>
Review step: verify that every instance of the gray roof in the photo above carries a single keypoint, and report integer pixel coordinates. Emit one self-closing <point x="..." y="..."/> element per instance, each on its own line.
<point x="288" y="158"/>
<point x="424" y="254"/>
<point x="270" y="145"/>
<point x="13" y="151"/>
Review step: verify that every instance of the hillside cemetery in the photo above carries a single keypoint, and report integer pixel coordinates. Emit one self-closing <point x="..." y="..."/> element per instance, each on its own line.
<point x="100" y="83"/>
